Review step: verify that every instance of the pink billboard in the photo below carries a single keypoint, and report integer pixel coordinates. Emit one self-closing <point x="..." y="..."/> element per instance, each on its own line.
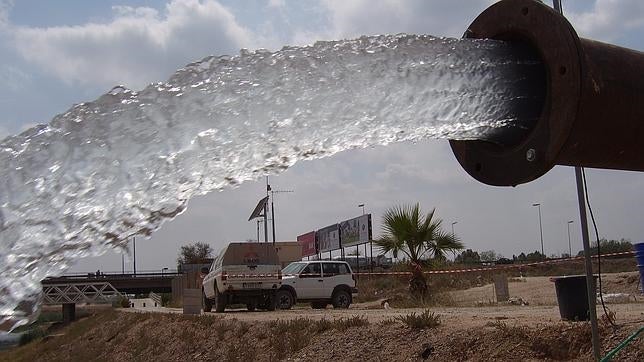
<point x="308" y="244"/>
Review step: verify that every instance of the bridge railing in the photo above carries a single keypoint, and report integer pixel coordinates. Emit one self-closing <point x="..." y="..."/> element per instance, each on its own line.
<point x="113" y="275"/>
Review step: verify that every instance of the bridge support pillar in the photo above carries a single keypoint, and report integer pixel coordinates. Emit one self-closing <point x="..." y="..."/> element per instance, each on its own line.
<point x="69" y="312"/>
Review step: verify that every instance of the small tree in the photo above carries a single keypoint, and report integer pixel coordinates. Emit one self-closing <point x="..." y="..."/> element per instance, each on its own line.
<point x="468" y="257"/>
<point x="489" y="255"/>
<point x="197" y="253"/>
<point x="407" y="231"/>
<point x="609" y="246"/>
<point x="535" y="256"/>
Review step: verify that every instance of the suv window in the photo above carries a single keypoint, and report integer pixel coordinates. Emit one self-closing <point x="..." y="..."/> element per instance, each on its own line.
<point x="311" y="271"/>
<point x="331" y="269"/>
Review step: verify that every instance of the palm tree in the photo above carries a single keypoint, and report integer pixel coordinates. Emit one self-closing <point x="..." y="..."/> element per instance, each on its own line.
<point x="407" y="231"/>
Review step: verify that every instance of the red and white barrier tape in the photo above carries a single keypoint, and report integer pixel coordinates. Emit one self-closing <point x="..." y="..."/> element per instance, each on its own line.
<point x="448" y="271"/>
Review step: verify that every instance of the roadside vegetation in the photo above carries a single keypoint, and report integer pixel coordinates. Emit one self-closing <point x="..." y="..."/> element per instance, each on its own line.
<point x="426" y="319"/>
<point x="123" y="336"/>
<point x="407" y="231"/>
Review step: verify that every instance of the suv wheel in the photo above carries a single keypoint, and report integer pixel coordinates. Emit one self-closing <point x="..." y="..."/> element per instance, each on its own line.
<point x="341" y="299"/>
<point x="207" y="303"/>
<point x="318" y="305"/>
<point x="285" y="299"/>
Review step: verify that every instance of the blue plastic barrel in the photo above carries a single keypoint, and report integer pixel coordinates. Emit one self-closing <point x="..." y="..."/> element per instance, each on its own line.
<point x="639" y="253"/>
<point x="638" y="248"/>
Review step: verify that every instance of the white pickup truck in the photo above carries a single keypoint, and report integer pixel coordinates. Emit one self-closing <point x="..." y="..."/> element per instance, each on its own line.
<point x="318" y="282"/>
<point x="243" y="273"/>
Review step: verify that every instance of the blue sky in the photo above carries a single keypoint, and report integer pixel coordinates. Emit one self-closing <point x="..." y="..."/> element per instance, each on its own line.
<point x="55" y="54"/>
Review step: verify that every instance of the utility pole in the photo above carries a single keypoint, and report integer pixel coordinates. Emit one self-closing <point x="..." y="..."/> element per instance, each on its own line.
<point x="583" y="220"/>
<point x="540" y="229"/>
<point x="273" y="192"/>
<point x="258" y="222"/>
<point x="268" y="188"/>
<point x="569" y="244"/>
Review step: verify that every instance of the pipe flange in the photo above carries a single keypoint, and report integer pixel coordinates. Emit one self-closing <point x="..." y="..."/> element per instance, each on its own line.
<point x="559" y="47"/>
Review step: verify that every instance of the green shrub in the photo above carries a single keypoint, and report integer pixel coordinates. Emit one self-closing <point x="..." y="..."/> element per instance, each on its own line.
<point x="121" y="302"/>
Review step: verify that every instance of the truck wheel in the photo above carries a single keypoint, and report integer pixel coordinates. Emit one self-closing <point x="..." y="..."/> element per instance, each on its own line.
<point x="271" y="302"/>
<point x="341" y="299"/>
<point x="285" y="299"/>
<point x="220" y="301"/>
<point x="318" y="305"/>
<point x="207" y="303"/>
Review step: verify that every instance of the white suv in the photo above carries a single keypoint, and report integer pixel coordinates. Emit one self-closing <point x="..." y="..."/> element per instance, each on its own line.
<point x="318" y="282"/>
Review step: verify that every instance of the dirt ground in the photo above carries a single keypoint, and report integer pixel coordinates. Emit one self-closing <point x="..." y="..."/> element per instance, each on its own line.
<point x="465" y="317"/>
<point x="365" y="332"/>
<point x="541" y="291"/>
<point x="473" y="307"/>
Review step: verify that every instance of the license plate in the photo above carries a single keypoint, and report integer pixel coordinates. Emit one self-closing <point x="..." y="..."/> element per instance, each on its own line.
<point x="251" y="285"/>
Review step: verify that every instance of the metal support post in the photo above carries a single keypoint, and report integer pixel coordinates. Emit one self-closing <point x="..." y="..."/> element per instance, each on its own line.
<point x="590" y="281"/>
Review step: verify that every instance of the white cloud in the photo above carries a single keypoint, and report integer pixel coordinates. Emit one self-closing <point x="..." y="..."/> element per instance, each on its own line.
<point x="140" y="45"/>
<point x="13" y="78"/>
<point x="5" y="6"/>
<point x="276" y="3"/>
<point x="436" y="17"/>
<point x="609" y="20"/>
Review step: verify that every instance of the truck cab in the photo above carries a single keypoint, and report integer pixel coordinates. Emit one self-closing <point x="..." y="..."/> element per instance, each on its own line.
<point x="243" y="273"/>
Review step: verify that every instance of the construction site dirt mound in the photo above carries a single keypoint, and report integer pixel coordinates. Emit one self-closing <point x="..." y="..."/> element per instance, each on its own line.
<point x="115" y="335"/>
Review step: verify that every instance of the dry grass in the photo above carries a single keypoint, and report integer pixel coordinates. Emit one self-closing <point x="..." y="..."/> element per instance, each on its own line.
<point x="228" y="339"/>
<point x="288" y="337"/>
<point x="423" y="320"/>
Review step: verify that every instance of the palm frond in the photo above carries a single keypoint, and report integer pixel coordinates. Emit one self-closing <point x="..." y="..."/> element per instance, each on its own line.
<point x="407" y="230"/>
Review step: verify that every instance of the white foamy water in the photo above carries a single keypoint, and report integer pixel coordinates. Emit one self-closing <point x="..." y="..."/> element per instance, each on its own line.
<point x="121" y="165"/>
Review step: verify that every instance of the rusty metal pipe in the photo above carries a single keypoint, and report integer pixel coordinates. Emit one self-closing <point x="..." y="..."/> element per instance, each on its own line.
<point x="593" y="108"/>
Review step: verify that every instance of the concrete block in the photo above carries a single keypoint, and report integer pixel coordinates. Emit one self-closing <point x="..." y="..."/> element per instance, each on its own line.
<point x="192" y="301"/>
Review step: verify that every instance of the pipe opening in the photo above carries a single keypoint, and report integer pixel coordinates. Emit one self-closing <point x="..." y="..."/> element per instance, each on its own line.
<point x="531" y="81"/>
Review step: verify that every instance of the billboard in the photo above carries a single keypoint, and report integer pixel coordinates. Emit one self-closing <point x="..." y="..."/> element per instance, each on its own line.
<point x="308" y="243"/>
<point x="328" y="238"/>
<point x="355" y="231"/>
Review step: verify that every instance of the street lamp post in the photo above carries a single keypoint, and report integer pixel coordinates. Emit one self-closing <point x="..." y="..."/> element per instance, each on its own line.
<point x="362" y="206"/>
<point x="540" y="229"/>
<point x="569" y="245"/>
<point x="162" y="270"/>
<point x="134" y="249"/>
<point x="454" y="223"/>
